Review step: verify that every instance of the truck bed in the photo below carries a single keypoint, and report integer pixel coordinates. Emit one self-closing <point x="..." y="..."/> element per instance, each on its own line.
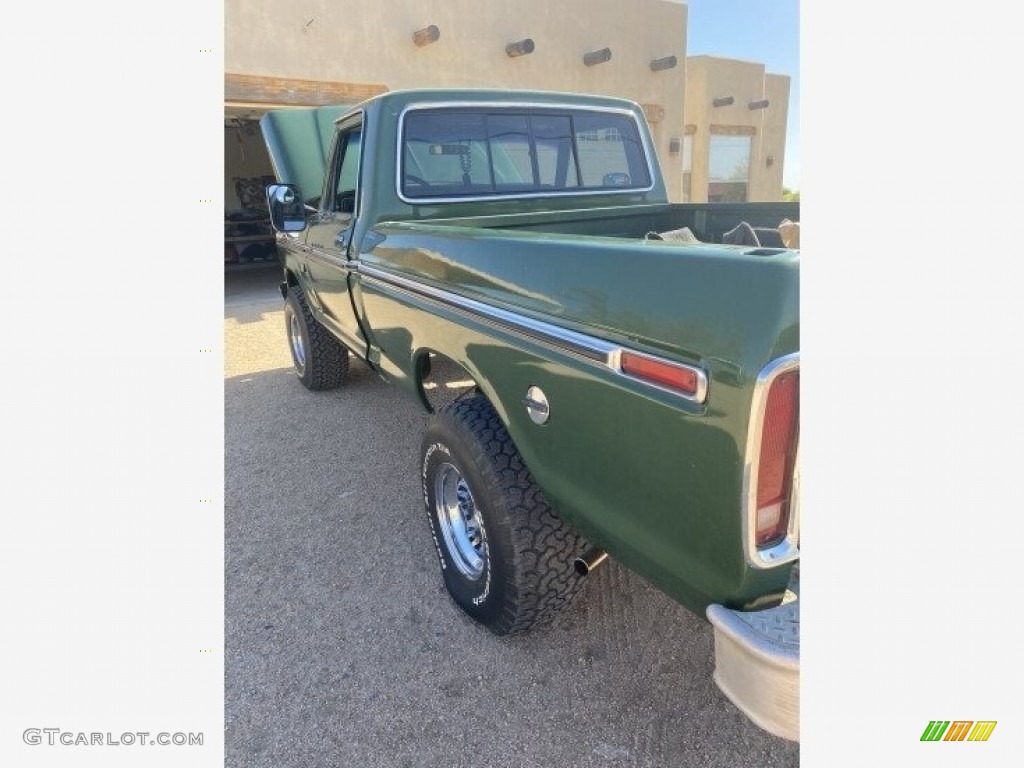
<point x="707" y="221"/>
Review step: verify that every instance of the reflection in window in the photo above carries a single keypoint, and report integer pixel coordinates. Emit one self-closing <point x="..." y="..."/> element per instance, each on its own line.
<point x="447" y="149"/>
<point x="729" y="169"/>
<point x="348" y="171"/>
<point x="556" y="162"/>
<point x="509" y="139"/>
<point x="603" y="152"/>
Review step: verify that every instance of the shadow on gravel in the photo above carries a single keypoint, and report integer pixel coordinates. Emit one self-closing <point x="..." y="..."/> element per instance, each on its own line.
<point x="253" y="312"/>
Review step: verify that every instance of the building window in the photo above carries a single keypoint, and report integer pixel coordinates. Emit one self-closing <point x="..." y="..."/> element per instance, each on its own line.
<point x="729" y="169"/>
<point x="687" y="168"/>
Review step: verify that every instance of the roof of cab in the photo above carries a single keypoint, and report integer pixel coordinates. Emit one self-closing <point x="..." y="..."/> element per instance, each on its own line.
<point x="401" y="99"/>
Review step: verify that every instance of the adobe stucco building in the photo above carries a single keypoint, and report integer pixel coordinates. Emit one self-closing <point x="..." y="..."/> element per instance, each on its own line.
<point x="341" y="51"/>
<point x="734" y="131"/>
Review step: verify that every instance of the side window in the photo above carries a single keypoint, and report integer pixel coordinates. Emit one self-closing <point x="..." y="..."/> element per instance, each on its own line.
<point x="687" y="167"/>
<point x="346" y="173"/>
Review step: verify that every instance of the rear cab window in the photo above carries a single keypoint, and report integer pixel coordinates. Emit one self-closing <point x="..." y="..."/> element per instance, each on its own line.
<point x="455" y="153"/>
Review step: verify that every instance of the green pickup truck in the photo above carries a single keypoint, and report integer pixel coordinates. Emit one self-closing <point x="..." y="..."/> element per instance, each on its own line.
<point x="633" y="381"/>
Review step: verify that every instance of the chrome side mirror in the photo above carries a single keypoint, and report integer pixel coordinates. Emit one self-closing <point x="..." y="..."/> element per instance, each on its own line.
<point x="287" y="213"/>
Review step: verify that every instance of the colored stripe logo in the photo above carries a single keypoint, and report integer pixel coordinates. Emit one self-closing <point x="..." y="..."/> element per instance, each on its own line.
<point x="958" y="730"/>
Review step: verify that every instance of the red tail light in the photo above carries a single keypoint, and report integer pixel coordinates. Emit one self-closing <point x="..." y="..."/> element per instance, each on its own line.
<point x="777" y="459"/>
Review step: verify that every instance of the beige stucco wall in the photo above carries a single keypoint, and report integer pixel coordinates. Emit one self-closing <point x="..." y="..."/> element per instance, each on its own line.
<point x="709" y="77"/>
<point x="371" y="43"/>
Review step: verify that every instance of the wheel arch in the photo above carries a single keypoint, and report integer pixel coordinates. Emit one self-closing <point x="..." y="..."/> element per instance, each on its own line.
<point x="430" y="365"/>
<point x="291" y="280"/>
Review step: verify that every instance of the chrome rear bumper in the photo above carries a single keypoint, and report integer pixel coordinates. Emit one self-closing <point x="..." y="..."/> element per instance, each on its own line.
<point x="757" y="662"/>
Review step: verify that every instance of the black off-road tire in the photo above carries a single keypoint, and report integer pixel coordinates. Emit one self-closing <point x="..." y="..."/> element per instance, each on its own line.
<point x="320" y="360"/>
<point x="526" y="577"/>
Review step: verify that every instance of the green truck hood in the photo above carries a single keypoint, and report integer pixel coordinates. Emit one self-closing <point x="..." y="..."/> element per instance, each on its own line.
<point x="299" y="142"/>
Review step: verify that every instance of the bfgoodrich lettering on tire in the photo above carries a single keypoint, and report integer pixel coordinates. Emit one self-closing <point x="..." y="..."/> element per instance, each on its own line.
<point x="506" y="558"/>
<point x="320" y="360"/>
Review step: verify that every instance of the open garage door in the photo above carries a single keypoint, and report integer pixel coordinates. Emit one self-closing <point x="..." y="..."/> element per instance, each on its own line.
<point x="248" y="237"/>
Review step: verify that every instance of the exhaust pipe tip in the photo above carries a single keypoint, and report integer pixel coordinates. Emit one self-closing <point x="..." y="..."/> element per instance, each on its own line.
<point x="589" y="560"/>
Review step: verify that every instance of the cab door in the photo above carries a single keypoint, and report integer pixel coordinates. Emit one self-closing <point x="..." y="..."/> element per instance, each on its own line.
<point x="330" y="235"/>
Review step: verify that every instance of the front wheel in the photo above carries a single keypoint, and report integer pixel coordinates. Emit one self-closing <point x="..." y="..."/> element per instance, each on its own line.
<point x="506" y="558"/>
<point x="320" y="360"/>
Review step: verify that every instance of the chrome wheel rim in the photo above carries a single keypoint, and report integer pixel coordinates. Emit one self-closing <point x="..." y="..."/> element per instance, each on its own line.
<point x="459" y="519"/>
<point x="295" y="337"/>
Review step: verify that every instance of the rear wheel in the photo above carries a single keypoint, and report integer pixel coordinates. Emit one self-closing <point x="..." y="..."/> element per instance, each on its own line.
<point x="320" y="360"/>
<point x="506" y="558"/>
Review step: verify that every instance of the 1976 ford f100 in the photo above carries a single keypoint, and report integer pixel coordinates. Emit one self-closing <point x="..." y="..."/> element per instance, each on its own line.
<point x="631" y="394"/>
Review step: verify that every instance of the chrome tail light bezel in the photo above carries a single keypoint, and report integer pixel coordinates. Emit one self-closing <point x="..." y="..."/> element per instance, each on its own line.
<point x="787" y="549"/>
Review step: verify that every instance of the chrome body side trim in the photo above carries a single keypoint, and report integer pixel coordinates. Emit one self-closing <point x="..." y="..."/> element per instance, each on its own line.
<point x="589" y="348"/>
<point x="788" y="549"/>
<point x="400" y="155"/>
